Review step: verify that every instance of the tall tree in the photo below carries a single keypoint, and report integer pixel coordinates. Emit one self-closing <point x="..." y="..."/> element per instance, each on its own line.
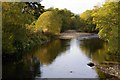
<point x="14" y="30"/>
<point x="106" y="19"/>
<point x="87" y="17"/>
<point x="49" y="22"/>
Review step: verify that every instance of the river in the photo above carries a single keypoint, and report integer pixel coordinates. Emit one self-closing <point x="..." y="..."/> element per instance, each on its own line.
<point x="59" y="59"/>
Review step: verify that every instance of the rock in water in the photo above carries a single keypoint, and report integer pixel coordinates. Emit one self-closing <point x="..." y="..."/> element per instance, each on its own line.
<point x="91" y="64"/>
<point x="71" y="71"/>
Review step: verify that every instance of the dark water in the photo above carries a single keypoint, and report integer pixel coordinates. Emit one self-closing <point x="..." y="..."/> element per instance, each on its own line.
<point x="59" y="59"/>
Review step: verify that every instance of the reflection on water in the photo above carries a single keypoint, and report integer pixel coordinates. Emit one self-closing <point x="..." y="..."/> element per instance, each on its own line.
<point x="24" y="69"/>
<point x="70" y="64"/>
<point x="94" y="48"/>
<point x="47" y="53"/>
<point x="60" y="59"/>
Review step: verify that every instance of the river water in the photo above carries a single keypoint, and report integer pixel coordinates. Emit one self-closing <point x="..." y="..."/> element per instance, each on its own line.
<point x="59" y="59"/>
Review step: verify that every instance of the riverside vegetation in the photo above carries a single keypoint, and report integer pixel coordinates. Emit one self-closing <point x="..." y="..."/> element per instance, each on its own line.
<point x="27" y="24"/>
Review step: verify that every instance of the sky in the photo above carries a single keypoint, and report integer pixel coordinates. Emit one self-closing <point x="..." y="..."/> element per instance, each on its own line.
<point x="75" y="6"/>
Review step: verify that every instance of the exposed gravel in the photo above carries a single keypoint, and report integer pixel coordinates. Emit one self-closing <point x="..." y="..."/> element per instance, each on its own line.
<point x="111" y="69"/>
<point x="73" y="34"/>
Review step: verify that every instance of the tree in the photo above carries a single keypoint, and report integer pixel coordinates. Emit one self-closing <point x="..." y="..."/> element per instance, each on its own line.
<point x="66" y="19"/>
<point x="49" y="22"/>
<point x="106" y="19"/>
<point x="75" y="22"/>
<point x="69" y="19"/>
<point x="13" y="22"/>
<point x="33" y="8"/>
<point x="87" y="17"/>
<point x="18" y="28"/>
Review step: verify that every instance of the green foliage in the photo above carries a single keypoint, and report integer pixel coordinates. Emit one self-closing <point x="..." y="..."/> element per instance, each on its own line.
<point x="49" y="22"/>
<point x="7" y="44"/>
<point x="66" y="19"/>
<point x="13" y="24"/>
<point x="87" y="18"/>
<point x="75" y="20"/>
<point x="19" y="33"/>
<point x="106" y="19"/>
<point x="69" y="19"/>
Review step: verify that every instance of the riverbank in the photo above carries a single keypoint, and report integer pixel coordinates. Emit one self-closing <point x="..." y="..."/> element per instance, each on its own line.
<point x="70" y="34"/>
<point x="110" y="68"/>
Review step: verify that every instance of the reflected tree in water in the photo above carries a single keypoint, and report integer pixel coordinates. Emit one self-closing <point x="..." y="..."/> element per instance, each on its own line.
<point x="47" y="53"/>
<point x="94" y="48"/>
<point x="25" y="69"/>
<point x="91" y="46"/>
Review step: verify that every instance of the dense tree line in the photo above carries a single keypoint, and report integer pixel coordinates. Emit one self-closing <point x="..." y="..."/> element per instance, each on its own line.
<point x="87" y="18"/>
<point x="18" y="32"/>
<point x="59" y="20"/>
<point x="106" y="19"/>
<point x="26" y="24"/>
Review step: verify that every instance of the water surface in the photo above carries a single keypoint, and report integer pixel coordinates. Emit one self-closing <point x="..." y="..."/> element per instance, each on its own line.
<point x="72" y="63"/>
<point x="59" y="59"/>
